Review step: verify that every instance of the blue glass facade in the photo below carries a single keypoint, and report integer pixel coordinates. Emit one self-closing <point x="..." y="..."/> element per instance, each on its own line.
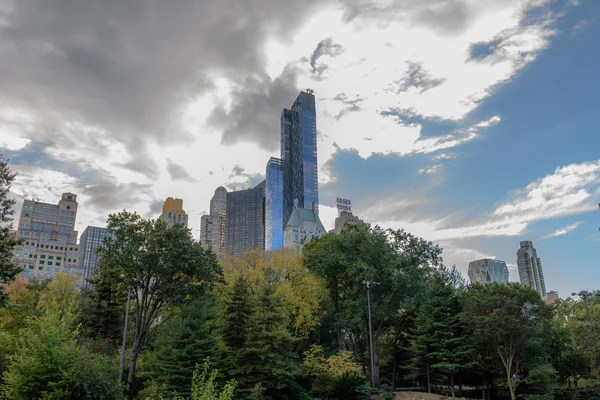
<point x="299" y="155"/>
<point x="274" y="205"/>
<point x="488" y="271"/>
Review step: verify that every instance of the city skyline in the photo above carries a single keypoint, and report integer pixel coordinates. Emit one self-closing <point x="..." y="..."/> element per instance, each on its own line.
<point x="478" y="147"/>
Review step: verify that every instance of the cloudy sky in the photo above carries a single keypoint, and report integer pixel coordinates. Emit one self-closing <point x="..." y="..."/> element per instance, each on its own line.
<point x="472" y="123"/>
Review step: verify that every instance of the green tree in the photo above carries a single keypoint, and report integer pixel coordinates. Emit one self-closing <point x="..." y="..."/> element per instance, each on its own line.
<point x="163" y="266"/>
<point x="395" y="261"/>
<point x="237" y="313"/>
<point x="509" y="322"/>
<point x="8" y="270"/>
<point x="440" y="344"/>
<point x="49" y="365"/>
<point x="183" y="342"/>
<point x="267" y="358"/>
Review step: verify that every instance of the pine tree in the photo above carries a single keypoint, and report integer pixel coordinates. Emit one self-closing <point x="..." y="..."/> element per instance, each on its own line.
<point x="440" y="345"/>
<point x="184" y="342"/>
<point x="238" y="311"/>
<point x="268" y="359"/>
<point x="8" y="270"/>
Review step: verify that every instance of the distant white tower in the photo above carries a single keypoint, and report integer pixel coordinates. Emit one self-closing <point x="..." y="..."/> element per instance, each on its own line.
<point x="530" y="267"/>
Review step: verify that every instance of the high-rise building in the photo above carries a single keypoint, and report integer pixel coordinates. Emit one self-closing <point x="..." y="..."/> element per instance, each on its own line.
<point x="245" y="225"/>
<point x="274" y="205"/>
<point x="91" y="238"/>
<point x="488" y="271"/>
<point x="299" y="155"/>
<point x="172" y="212"/>
<point x="303" y="226"/>
<point x="49" y="239"/>
<point x="551" y="297"/>
<point x="212" y="226"/>
<point x="530" y="267"/>
<point x="345" y="218"/>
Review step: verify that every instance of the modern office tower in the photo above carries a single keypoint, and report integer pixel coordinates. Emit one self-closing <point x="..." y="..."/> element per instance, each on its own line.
<point x="91" y="238"/>
<point x="488" y="271"/>
<point x="299" y="155"/>
<point x="172" y="212"/>
<point x="345" y="218"/>
<point x="274" y="205"/>
<point x="530" y="267"/>
<point x="244" y="226"/>
<point x="212" y="226"/>
<point x="303" y="226"/>
<point x="49" y="239"/>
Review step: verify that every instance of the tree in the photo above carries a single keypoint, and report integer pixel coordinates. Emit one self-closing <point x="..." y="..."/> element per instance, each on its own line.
<point x="61" y="295"/>
<point x="238" y="311"/>
<point x="49" y="365"/>
<point x="162" y="265"/>
<point x="267" y="358"/>
<point x="8" y="270"/>
<point x="183" y="342"/>
<point x="300" y="291"/>
<point x="508" y="322"/>
<point x="395" y="260"/>
<point x="440" y="343"/>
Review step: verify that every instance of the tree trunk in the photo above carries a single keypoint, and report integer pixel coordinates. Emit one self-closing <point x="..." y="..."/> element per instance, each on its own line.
<point x="452" y="384"/>
<point x="394" y="372"/>
<point x="428" y="381"/>
<point x="134" y="356"/>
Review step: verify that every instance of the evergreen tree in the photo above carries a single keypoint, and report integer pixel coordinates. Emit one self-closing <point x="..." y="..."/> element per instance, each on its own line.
<point x="237" y="313"/>
<point x="186" y="341"/>
<point x="440" y="345"/>
<point x="267" y="358"/>
<point x="8" y="270"/>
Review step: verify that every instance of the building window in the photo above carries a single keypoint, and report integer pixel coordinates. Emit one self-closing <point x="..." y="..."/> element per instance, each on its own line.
<point x="41" y="262"/>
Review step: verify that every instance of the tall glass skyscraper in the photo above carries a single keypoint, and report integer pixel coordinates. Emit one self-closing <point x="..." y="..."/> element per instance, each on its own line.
<point x="299" y="155"/>
<point x="274" y="205"/>
<point x="488" y="271"/>
<point x="530" y="267"/>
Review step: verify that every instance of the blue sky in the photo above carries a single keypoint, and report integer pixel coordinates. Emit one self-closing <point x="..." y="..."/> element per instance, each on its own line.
<point x="472" y="123"/>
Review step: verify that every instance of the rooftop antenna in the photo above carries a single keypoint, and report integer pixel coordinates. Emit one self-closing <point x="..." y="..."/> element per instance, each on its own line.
<point x="310" y="91"/>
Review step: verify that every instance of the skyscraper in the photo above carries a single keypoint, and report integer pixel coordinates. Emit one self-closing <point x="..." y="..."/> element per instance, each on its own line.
<point x="212" y="226"/>
<point x="299" y="155"/>
<point x="274" y="205"/>
<point x="91" y="238"/>
<point x="530" y="267"/>
<point x="245" y="225"/>
<point x="172" y="212"/>
<point x="49" y="239"/>
<point x="488" y="271"/>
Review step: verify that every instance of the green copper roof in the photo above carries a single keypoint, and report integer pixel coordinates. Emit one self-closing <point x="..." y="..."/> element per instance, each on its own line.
<point x="302" y="214"/>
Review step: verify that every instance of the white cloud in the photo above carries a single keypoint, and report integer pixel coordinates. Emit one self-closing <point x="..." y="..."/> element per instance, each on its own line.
<point x="563" y="231"/>
<point x="430" y="170"/>
<point x="568" y="191"/>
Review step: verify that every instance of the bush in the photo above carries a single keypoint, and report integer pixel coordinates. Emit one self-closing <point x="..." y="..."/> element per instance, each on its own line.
<point x="592" y="393"/>
<point x="347" y="387"/>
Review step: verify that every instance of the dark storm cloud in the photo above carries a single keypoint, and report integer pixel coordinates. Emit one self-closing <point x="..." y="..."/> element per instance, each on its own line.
<point x="109" y="195"/>
<point x="416" y="77"/>
<point x="178" y="173"/>
<point x="443" y="16"/>
<point x="126" y="67"/>
<point x="256" y="106"/>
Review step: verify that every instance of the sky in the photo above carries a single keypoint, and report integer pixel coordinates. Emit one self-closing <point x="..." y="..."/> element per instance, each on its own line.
<point x="470" y="123"/>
